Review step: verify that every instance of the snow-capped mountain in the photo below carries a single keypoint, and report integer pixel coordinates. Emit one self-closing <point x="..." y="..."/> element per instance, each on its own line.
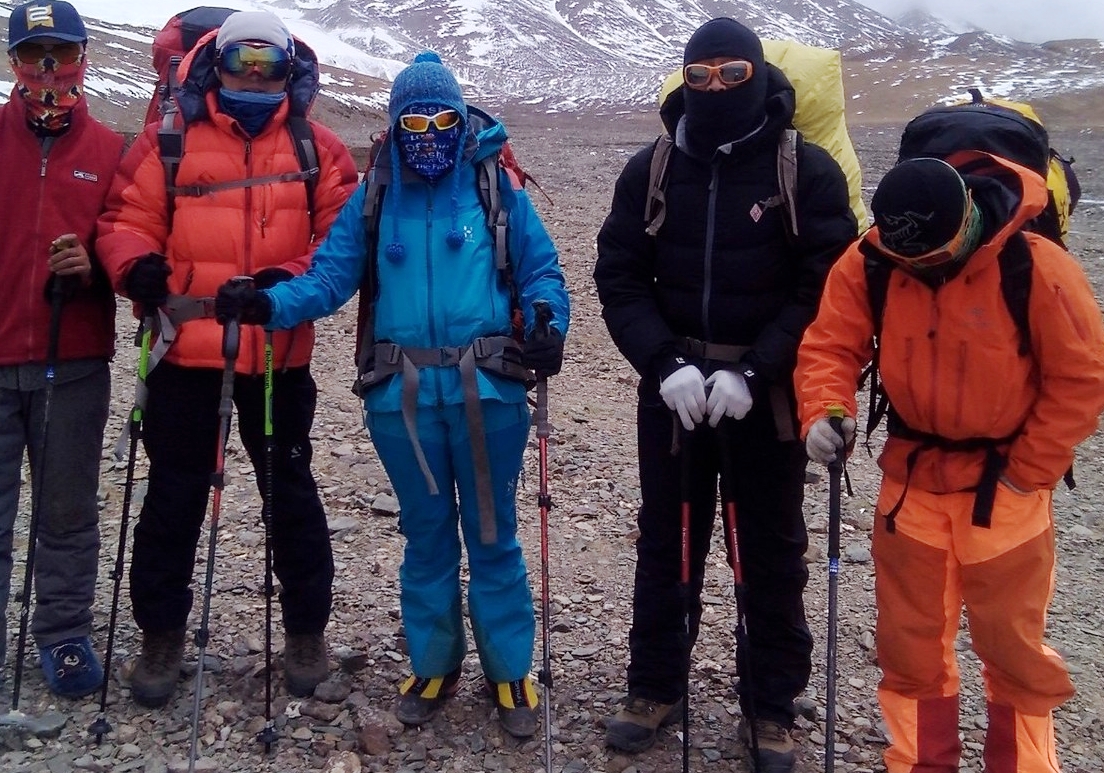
<point x="557" y="55"/>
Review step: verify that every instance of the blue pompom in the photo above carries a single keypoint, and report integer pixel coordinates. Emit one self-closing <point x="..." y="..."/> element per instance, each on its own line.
<point x="395" y="252"/>
<point x="454" y="239"/>
<point x="427" y="56"/>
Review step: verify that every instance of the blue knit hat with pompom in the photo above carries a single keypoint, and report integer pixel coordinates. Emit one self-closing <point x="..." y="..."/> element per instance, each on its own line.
<point x="426" y="79"/>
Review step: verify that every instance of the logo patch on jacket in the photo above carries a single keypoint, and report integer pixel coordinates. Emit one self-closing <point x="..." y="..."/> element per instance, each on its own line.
<point x="89" y="176"/>
<point x="759" y="208"/>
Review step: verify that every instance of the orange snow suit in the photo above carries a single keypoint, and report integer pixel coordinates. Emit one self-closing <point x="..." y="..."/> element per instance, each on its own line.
<point x="950" y="365"/>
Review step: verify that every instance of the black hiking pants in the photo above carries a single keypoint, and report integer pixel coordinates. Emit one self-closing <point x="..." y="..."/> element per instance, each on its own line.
<point x="769" y="485"/>
<point x="180" y="433"/>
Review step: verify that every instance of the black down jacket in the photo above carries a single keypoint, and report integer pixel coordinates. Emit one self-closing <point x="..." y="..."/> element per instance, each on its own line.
<point x="724" y="267"/>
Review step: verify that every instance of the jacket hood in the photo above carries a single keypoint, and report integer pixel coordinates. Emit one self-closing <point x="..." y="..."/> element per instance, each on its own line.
<point x="1009" y="196"/>
<point x="198" y="78"/>
<point x="488" y="133"/>
<point x="781" y="103"/>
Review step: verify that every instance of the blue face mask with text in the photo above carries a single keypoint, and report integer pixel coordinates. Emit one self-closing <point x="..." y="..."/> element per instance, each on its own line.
<point x="432" y="153"/>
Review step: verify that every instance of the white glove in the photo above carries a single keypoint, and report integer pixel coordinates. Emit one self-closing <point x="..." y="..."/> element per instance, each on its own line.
<point x="684" y="393"/>
<point x="728" y="396"/>
<point x="822" y="442"/>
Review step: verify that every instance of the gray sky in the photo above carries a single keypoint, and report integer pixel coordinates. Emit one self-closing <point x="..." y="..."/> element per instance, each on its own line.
<point x="1030" y="20"/>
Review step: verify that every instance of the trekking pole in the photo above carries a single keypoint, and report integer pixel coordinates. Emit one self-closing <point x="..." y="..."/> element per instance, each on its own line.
<point x="267" y="735"/>
<point x="743" y="641"/>
<point x="543" y="314"/>
<point x="686" y="465"/>
<point x="38" y="483"/>
<point x="231" y="333"/>
<point x="835" y="472"/>
<point x="100" y="726"/>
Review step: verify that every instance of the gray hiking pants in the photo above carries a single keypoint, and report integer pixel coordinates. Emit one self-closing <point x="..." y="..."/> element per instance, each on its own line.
<point x="68" y="531"/>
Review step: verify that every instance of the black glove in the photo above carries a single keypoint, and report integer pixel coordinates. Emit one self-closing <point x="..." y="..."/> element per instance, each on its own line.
<point x="543" y="352"/>
<point x="147" y="282"/>
<point x="270" y="277"/>
<point x="244" y="302"/>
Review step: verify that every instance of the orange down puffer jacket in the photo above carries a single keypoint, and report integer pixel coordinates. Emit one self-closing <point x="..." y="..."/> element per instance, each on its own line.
<point x="949" y="358"/>
<point x="226" y="233"/>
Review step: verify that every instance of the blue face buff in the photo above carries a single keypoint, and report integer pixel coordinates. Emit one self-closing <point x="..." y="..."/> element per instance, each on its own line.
<point x="251" y="109"/>
<point x="431" y="153"/>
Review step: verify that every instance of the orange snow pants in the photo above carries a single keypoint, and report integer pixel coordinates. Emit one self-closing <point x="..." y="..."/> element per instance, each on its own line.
<point x="935" y="563"/>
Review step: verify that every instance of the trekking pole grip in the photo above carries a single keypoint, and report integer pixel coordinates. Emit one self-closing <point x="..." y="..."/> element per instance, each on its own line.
<point x="542" y="316"/>
<point x="231" y="334"/>
<point x="59" y="291"/>
<point x="835" y="421"/>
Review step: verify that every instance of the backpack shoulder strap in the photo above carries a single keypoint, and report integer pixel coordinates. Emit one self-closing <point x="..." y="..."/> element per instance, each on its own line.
<point x="655" y="206"/>
<point x="498" y="219"/>
<point x="170" y="138"/>
<point x="878" y="271"/>
<point x="302" y="138"/>
<point x="375" y="184"/>
<point x="490" y="196"/>
<point x="1015" y="282"/>
<point x="787" y="174"/>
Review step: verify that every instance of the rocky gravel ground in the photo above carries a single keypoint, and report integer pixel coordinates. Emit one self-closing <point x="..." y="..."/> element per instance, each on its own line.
<point x="348" y="726"/>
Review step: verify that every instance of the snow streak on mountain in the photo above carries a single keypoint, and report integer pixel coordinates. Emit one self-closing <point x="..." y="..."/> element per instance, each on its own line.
<point x="570" y="54"/>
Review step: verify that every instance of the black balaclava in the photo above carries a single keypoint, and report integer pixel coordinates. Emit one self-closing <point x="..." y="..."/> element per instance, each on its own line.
<point x="715" y="118"/>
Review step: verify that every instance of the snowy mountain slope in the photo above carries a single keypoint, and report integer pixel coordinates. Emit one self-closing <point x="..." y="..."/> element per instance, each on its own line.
<point x="557" y="55"/>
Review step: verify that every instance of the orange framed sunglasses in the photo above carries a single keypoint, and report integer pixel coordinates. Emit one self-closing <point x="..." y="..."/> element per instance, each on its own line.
<point x="418" y="123"/>
<point x="699" y="76"/>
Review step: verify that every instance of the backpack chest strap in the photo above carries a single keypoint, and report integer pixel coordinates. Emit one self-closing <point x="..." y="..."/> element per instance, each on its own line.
<point x="195" y="191"/>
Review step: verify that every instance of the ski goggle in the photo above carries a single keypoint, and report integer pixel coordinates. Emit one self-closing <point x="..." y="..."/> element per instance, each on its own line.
<point x="698" y="76"/>
<point x="272" y="62"/>
<point x="418" y="123"/>
<point x="62" y="53"/>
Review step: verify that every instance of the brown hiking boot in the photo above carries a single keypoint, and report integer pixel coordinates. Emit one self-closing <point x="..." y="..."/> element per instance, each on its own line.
<point x="634" y="728"/>
<point x="306" y="663"/>
<point x="777" y="753"/>
<point x="157" y="669"/>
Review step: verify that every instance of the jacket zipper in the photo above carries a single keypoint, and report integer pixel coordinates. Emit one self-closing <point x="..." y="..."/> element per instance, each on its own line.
<point x="710" y="226"/>
<point x="933" y="384"/>
<point x="248" y="242"/>
<point x="45" y="147"/>
<point x="430" y="308"/>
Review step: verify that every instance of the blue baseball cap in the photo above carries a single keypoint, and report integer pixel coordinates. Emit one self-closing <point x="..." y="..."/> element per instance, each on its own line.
<point x="38" y="19"/>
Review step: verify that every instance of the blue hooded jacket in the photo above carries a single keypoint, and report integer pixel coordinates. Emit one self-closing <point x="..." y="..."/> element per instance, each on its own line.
<point x="435" y="295"/>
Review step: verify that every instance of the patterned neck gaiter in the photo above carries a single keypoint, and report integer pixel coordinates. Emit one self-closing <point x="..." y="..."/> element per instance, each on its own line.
<point x="432" y="154"/>
<point x="50" y="90"/>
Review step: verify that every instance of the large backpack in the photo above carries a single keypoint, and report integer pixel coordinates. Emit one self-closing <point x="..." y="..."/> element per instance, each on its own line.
<point x="179" y="35"/>
<point x="1011" y="130"/>
<point x="170" y="45"/>
<point x="816" y="75"/>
